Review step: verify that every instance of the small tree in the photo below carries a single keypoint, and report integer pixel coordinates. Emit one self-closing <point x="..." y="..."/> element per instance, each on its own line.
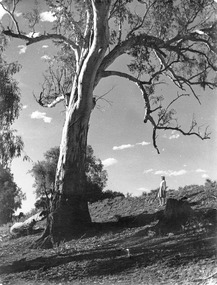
<point x="11" y="195"/>
<point x="44" y="174"/>
<point x="11" y="145"/>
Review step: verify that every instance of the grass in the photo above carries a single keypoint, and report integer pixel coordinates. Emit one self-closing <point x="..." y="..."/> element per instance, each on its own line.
<point x="124" y="248"/>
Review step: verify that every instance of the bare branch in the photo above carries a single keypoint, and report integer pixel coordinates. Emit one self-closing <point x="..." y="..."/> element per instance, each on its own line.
<point x="190" y="132"/>
<point x="108" y="73"/>
<point x="103" y="95"/>
<point x="12" y="15"/>
<point x="32" y="40"/>
<point x="49" y="105"/>
<point x="139" y="25"/>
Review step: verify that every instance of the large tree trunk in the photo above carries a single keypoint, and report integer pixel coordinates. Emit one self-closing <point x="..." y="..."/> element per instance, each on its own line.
<point x="69" y="210"/>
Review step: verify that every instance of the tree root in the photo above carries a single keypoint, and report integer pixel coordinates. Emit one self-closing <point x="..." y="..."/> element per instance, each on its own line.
<point x="44" y="242"/>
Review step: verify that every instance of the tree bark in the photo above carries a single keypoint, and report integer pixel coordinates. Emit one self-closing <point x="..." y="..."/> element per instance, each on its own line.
<point x="69" y="208"/>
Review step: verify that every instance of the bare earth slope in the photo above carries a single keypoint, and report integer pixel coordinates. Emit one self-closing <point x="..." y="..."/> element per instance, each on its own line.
<point x="124" y="246"/>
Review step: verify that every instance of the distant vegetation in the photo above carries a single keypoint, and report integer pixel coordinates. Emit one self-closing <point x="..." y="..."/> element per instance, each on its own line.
<point x="44" y="175"/>
<point x="11" y="195"/>
<point x="199" y="194"/>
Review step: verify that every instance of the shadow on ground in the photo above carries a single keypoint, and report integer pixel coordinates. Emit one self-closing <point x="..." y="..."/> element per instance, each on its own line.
<point x="111" y="257"/>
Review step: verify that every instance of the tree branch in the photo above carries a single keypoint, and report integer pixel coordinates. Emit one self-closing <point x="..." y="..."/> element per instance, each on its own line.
<point x="108" y="73"/>
<point x="49" y="105"/>
<point x="148" y="111"/>
<point x="12" y="15"/>
<point x="32" y="40"/>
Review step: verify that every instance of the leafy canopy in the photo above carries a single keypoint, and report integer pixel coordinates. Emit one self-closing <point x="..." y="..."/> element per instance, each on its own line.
<point x="11" y="144"/>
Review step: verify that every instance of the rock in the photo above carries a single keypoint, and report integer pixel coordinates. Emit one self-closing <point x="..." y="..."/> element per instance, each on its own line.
<point x="26" y="227"/>
<point x="177" y="210"/>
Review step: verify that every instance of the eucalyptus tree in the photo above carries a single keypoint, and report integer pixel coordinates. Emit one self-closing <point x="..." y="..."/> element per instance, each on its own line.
<point x="163" y="39"/>
<point x="11" y="145"/>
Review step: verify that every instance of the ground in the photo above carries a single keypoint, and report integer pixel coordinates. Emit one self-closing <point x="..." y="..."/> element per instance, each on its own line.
<point x="124" y="246"/>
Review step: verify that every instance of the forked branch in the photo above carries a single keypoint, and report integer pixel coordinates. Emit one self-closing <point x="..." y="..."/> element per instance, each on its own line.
<point x="165" y="115"/>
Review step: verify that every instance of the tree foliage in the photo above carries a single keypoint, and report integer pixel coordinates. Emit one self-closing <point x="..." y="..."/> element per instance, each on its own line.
<point x="11" y="195"/>
<point x="44" y="174"/>
<point x="11" y="144"/>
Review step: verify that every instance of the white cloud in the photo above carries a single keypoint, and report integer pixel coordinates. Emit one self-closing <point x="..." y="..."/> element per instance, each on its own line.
<point x="33" y="35"/>
<point x="124" y="146"/>
<point x="170" y="172"/>
<point x="109" y="161"/>
<point x="148" y="171"/>
<point x="143" y="189"/>
<point x="177" y="173"/>
<point x="18" y="14"/>
<point x="174" y="135"/>
<point x="41" y="116"/>
<point x="22" y="48"/>
<point x="199" y="170"/>
<point x="47" y="16"/>
<point x="45" y="46"/>
<point x="143" y="143"/>
<point x="161" y="172"/>
<point x="46" y="57"/>
<point x="25" y="106"/>
<point x="205" y="175"/>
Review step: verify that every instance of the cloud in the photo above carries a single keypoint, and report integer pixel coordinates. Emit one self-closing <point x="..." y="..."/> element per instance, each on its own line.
<point x="148" y="171"/>
<point x="46" y="57"/>
<point x="18" y="14"/>
<point x="165" y="172"/>
<point x="47" y="16"/>
<point x="124" y="146"/>
<point x="45" y="46"/>
<point x="41" y="116"/>
<point x="25" y="106"/>
<point x="177" y="173"/>
<point x="143" y="143"/>
<point x="143" y="189"/>
<point x="174" y="135"/>
<point x="200" y="170"/>
<point x="170" y="172"/>
<point x="205" y="175"/>
<point x="22" y="48"/>
<point x="109" y="161"/>
<point x="33" y="35"/>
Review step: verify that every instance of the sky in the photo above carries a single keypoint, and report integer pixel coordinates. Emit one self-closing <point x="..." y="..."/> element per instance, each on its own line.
<point x="117" y="132"/>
